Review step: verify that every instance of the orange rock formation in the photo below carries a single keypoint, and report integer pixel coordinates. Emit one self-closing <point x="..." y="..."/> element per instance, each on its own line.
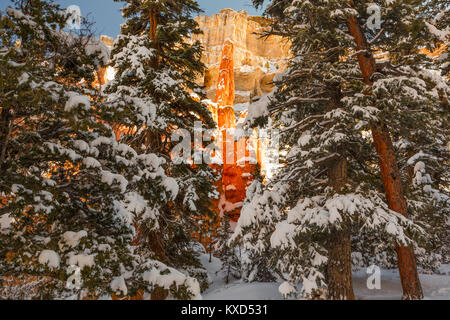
<point x="236" y="170"/>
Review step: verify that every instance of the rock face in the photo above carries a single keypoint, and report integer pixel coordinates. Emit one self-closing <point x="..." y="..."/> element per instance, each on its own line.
<point x="225" y="83"/>
<point x="236" y="171"/>
<point x="256" y="59"/>
<point x="240" y="65"/>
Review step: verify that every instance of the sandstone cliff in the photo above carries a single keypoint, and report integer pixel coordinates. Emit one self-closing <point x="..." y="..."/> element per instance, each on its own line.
<point x="256" y="59"/>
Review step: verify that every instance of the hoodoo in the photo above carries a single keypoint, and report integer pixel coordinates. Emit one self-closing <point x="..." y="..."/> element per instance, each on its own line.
<point x="236" y="167"/>
<point x="240" y="67"/>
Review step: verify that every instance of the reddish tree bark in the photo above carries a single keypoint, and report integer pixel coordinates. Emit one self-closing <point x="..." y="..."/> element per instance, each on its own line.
<point x="390" y="172"/>
<point x="152" y="34"/>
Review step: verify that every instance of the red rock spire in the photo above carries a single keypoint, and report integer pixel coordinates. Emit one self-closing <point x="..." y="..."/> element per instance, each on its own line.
<point x="235" y="177"/>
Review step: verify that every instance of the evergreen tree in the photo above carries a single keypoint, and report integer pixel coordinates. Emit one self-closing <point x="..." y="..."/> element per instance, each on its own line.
<point x="407" y="91"/>
<point x="71" y="194"/>
<point x="412" y="96"/>
<point x="259" y="216"/>
<point x="154" y="96"/>
<point x="423" y="149"/>
<point x="324" y="109"/>
<point x="229" y="255"/>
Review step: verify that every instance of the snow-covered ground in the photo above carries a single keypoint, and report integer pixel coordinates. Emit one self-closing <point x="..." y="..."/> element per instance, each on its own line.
<point x="435" y="287"/>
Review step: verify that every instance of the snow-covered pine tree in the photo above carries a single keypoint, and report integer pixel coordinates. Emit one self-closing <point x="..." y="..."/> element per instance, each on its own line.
<point x="259" y="216"/>
<point x="422" y="149"/>
<point x="441" y="19"/>
<point x="409" y="98"/>
<point x="154" y="95"/>
<point x="229" y="255"/>
<point x="330" y="164"/>
<point x="70" y="192"/>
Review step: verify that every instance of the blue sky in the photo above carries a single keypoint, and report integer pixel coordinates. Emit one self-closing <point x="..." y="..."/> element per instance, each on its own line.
<point x="107" y="17"/>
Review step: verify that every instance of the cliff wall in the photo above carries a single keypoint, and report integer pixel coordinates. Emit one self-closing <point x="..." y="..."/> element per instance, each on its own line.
<point x="256" y="59"/>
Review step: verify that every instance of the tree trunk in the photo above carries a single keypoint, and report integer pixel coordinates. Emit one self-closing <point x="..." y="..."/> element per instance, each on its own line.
<point x="339" y="269"/>
<point x="6" y="120"/>
<point x="153" y="139"/>
<point x="159" y="294"/>
<point x="156" y="242"/>
<point x="152" y="34"/>
<point x="390" y="173"/>
<point x="393" y="188"/>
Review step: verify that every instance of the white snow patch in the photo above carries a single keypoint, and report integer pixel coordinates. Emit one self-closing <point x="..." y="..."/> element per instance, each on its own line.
<point x="72" y="239"/>
<point x="75" y="100"/>
<point x="50" y="258"/>
<point x="5" y="221"/>
<point x="82" y="260"/>
<point x="119" y="286"/>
